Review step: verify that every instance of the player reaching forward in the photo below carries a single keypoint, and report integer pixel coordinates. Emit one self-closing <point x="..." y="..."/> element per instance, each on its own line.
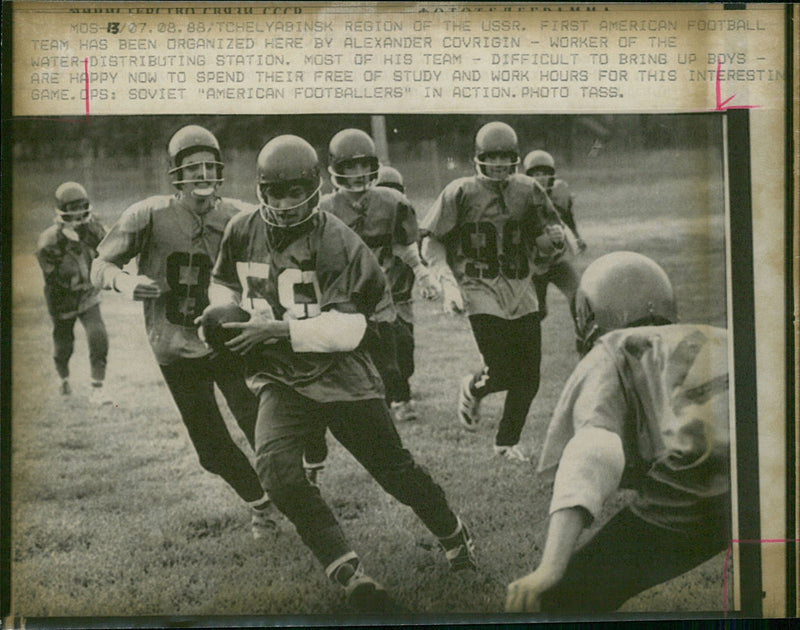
<point x="175" y="240"/>
<point x="311" y="284"/>
<point x="541" y="166"/>
<point x="483" y="236"/>
<point x="387" y="223"/>
<point x="65" y="252"/>
<point x="646" y="408"/>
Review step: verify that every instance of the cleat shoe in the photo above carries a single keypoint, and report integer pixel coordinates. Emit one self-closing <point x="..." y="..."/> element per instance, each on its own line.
<point x="64" y="387"/>
<point x="261" y="522"/>
<point x="514" y="453"/>
<point x="365" y="595"/>
<point x="98" y="396"/>
<point x="468" y="405"/>
<point x="404" y="411"/>
<point x="460" y="549"/>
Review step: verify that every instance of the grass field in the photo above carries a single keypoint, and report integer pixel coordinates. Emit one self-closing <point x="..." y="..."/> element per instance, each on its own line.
<point x="112" y="515"/>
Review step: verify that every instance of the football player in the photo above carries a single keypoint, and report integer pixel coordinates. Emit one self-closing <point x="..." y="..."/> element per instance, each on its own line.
<point x="387" y="223"/>
<point x="403" y="409"/>
<point x="541" y="166"/>
<point x="65" y="252"/>
<point x="646" y="408"/>
<point x="175" y="240"/>
<point x="493" y="228"/>
<point x="311" y="284"/>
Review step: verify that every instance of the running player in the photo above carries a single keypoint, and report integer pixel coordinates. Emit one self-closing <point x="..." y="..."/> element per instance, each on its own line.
<point x="311" y="284"/>
<point x="541" y="166"/>
<point x="65" y="252"/>
<point x="387" y="223"/>
<point x="483" y="237"/>
<point x="175" y="240"/>
<point x="647" y="409"/>
<point x="404" y="408"/>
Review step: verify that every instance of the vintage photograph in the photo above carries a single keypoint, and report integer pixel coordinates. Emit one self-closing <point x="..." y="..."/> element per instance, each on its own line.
<point x="393" y="364"/>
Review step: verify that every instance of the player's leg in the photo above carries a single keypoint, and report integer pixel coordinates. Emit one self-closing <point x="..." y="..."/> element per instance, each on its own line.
<point x="491" y="378"/>
<point x="228" y="372"/>
<point x="628" y="556"/>
<point x="540" y="283"/>
<point x="285" y="421"/>
<point x="63" y="345"/>
<point x="403" y="408"/>
<point x="366" y="430"/>
<point x="191" y="383"/>
<point x="97" y="338"/>
<point x="522" y="350"/>
<point x="566" y="278"/>
<point x="381" y="343"/>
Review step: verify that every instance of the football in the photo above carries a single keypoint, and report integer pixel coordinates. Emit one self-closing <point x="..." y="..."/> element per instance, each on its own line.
<point x="213" y="318"/>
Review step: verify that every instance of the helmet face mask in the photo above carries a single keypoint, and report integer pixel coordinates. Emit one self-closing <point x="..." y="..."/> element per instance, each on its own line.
<point x="621" y="290"/>
<point x="288" y="182"/>
<point x="195" y="161"/>
<point x="496" y="151"/>
<point x="354" y="164"/>
<point x="73" y="207"/>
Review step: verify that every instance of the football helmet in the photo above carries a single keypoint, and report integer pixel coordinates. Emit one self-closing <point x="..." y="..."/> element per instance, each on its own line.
<point x="540" y="164"/>
<point x="72" y="204"/>
<point x="285" y="162"/>
<point x="351" y="147"/>
<point x="621" y="290"/>
<point x="496" y="139"/>
<point x="188" y="140"/>
<point x="390" y="178"/>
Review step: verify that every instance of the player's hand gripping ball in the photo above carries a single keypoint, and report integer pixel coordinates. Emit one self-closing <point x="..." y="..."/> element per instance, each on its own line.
<point x="211" y="321"/>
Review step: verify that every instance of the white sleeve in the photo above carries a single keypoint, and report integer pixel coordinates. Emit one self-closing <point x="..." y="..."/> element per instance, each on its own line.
<point x="410" y="256"/>
<point x="590" y="470"/>
<point x="331" y="331"/>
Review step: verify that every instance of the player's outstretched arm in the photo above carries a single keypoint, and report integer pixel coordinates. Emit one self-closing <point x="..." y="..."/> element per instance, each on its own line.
<point x="435" y="253"/>
<point x="428" y="285"/>
<point x="525" y="594"/>
<point x="589" y="471"/>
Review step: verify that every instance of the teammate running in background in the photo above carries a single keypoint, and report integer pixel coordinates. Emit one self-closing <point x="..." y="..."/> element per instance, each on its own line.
<point x="387" y="223"/>
<point x="541" y="166"/>
<point x="311" y="284"/>
<point x="646" y="408"/>
<point x="482" y="238"/>
<point x="175" y="240"/>
<point x="403" y="408"/>
<point x="65" y="252"/>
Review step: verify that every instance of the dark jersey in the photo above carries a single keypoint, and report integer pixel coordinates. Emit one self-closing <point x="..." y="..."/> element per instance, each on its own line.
<point x="326" y="266"/>
<point x="382" y="217"/>
<point x="66" y="265"/>
<point x="176" y="248"/>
